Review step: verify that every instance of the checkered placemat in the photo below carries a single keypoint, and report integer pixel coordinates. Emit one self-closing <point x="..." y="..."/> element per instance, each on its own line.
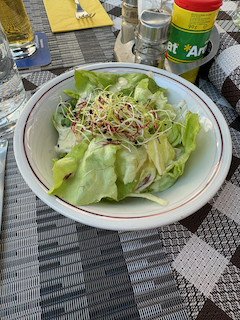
<point x="225" y="69"/>
<point x="204" y="249"/>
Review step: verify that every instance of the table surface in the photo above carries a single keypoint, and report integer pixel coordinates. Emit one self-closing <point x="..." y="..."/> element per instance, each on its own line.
<point x="52" y="267"/>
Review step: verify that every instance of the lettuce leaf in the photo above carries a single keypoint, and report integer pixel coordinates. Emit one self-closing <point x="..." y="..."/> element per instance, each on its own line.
<point x="160" y="152"/>
<point x="93" y="179"/>
<point x="146" y="92"/>
<point x="124" y="189"/>
<point x="87" y="81"/>
<point x="190" y="131"/>
<point x="150" y="197"/>
<point x="145" y="176"/>
<point x="67" y="165"/>
<point x="133" y="80"/>
<point x="176" y="168"/>
<point x="128" y="163"/>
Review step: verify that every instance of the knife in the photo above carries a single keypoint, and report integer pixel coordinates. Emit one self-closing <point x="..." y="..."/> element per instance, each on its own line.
<point x="3" y="154"/>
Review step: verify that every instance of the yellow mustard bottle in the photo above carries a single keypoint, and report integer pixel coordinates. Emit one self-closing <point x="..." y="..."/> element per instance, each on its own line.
<point x="190" y="29"/>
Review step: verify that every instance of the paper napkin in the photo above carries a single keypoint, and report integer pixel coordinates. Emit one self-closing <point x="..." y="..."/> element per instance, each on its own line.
<point x="61" y="15"/>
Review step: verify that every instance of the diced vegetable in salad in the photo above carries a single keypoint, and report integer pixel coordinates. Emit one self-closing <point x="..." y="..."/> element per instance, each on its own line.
<point x="119" y="137"/>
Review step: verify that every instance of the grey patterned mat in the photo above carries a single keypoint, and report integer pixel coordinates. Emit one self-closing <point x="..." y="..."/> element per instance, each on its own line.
<point x="54" y="268"/>
<point x="79" y="47"/>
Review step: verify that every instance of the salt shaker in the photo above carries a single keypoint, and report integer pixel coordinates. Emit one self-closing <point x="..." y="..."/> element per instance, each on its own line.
<point x="129" y="19"/>
<point x="151" y="37"/>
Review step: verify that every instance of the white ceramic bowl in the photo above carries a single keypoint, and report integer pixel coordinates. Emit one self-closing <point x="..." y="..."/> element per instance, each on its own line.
<point x="205" y="171"/>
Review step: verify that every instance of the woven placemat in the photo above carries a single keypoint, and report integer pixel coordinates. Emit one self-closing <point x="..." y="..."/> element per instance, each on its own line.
<point x="79" y="47"/>
<point x="55" y="268"/>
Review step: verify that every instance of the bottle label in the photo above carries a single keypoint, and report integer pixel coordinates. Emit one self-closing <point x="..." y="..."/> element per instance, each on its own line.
<point x="189" y="34"/>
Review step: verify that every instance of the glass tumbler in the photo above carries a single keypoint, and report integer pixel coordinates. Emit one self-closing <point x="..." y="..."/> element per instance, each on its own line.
<point x="12" y="92"/>
<point x="18" y="29"/>
<point x="236" y="15"/>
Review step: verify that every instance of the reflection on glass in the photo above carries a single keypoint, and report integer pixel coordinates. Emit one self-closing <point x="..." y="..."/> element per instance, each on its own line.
<point x="236" y="15"/>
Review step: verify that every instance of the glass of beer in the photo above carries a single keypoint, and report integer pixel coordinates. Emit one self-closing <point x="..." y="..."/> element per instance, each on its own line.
<point x="12" y="92"/>
<point x="18" y="29"/>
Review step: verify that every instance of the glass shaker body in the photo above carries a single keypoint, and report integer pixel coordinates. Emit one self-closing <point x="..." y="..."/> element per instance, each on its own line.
<point x="151" y="37"/>
<point x="129" y="19"/>
<point x="151" y="53"/>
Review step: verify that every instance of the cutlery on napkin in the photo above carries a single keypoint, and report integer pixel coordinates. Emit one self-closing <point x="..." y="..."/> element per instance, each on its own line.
<point x="81" y="13"/>
<point x="61" y="15"/>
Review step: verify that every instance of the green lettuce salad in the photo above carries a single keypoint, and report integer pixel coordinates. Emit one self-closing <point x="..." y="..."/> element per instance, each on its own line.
<point x="119" y="137"/>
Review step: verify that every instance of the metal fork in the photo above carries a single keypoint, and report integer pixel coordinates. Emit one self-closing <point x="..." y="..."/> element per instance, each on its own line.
<point x="3" y="154"/>
<point x="80" y="13"/>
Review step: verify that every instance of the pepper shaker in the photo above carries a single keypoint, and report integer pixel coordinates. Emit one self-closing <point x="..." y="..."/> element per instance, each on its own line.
<point x="151" y="37"/>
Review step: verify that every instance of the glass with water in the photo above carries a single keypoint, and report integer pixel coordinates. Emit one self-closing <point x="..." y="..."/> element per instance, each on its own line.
<point x="236" y="15"/>
<point x="12" y="92"/>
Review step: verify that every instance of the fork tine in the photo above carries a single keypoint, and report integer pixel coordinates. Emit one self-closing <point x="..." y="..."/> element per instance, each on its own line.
<point x="81" y="13"/>
<point x="89" y="15"/>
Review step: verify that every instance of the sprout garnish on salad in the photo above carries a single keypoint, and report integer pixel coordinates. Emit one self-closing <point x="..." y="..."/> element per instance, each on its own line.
<point x="119" y="137"/>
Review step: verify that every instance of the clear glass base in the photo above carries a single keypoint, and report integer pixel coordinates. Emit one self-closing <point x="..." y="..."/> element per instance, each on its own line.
<point x="236" y="15"/>
<point x="150" y="60"/>
<point x="8" y="123"/>
<point x="24" y="50"/>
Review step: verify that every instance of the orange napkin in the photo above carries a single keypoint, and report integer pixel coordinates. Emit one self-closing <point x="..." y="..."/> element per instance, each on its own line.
<point x="61" y="15"/>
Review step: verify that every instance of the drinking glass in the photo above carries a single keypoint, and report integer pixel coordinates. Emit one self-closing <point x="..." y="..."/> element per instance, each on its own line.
<point x="17" y="27"/>
<point x="154" y="5"/>
<point x="12" y="92"/>
<point x="236" y="15"/>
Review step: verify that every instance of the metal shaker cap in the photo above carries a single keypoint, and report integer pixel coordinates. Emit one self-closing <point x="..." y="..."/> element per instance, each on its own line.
<point x="153" y="25"/>
<point x="134" y="3"/>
